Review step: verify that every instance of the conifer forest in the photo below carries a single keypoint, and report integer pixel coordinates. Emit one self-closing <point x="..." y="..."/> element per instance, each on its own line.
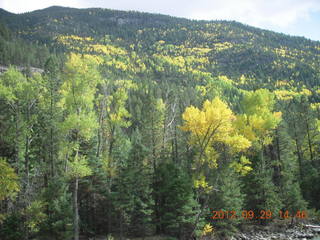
<point x="128" y="125"/>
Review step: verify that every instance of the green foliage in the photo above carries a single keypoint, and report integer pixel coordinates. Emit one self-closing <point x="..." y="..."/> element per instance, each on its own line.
<point x="59" y="218"/>
<point x="35" y="214"/>
<point x="141" y="189"/>
<point x="118" y="114"/>
<point x="261" y="191"/>
<point x="12" y="227"/>
<point x="243" y="166"/>
<point x="103" y="121"/>
<point x="176" y="47"/>
<point x="134" y="201"/>
<point x="14" y="50"/>
<point x="78" y="89"/>
<point x="229" y="197"/>
<point x="176" y="206"/>
<point x="258" y="118"/>
<point x="309" y="189"/>
<point x="287" y="164"/>
<point x="9" y="185"/>
<point x="13" y="85"/>
<point x="79" y="168"/>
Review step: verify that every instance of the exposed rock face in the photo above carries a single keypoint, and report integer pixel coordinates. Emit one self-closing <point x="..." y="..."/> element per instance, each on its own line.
<point x="22" y="69"/>
<point x="124" y="20"/>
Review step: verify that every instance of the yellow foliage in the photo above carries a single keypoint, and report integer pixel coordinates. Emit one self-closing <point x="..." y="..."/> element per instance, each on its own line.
<point x="243" y="167"/>
<point x="71" y="39"/>
<point x="208" y="229"/>
<point x="107" y="49"/>
<point x="258" y="120"/>
<point x="306" y="92"/>
<point x="318" y="125"/>
<point x="174" y="61"/>
<point x="93" y="58"/>
<point x="202" y="90"/>
<point x="225" y="79"/>
<point x="242" y="124"/>
<point x="202" y="50"/>
<point x="215" y="119"/>
<point x="280" y="52"/>
<point x="210" y="156"/>
<point x="8" y="180"/>
<point x="242" y="79"/>
<point x="315" y="106"/>
<point x="282" y="83"/>
<point x="201" y="182"/>
<point x="238" y="142"/>
<point x="213" y="123"/>
<point x="222" y="46"/>
<point x="285" y="94"/>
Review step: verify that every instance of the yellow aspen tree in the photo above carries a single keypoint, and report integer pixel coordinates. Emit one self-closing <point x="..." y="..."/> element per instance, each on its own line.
<point x="78" y="90"/>
<point x="258" y="120"/>
<point x="212" y="124"/>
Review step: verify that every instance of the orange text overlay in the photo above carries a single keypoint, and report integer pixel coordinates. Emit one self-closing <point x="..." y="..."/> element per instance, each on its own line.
<point x="262" y="214"/>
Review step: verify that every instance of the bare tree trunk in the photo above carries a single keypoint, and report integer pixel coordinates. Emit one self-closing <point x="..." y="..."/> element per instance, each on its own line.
<point x="298" y="151"/>
<point x="51" y="134"/>
<point x="176" y="144"/>
<point x="121" y="225"/>
<point x="76" y="209"/>
<point x="26" y="157"/>
<point x="309" y="141"/>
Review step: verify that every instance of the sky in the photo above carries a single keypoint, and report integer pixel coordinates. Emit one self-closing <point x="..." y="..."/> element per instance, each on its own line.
<point x="293" y="17"/>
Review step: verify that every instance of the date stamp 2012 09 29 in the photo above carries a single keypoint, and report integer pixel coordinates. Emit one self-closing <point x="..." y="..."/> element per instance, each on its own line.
<point x="262" y="214"/>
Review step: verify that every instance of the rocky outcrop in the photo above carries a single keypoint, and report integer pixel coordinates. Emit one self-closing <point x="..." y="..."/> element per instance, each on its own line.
<point x="303" y="232"/>
<point x="22" y="69"/>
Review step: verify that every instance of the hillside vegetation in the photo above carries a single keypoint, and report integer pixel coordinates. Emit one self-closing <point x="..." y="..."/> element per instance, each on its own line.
<point x="143" y="124"/>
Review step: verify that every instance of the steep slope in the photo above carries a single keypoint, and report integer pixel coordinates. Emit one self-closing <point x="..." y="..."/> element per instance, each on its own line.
<point x="148" y="122"/>
<point x="16" y="51"/>
<point x="209" y="47"/>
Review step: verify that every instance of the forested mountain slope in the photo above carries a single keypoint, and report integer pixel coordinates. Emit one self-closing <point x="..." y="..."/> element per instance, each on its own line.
<point x="217" y="47"/>
<point x="143" y="124"/>
<point x="14" y="50"/>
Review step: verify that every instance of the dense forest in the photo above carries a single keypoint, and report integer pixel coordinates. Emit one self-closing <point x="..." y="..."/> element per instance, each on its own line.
<point x="146" y="125"/>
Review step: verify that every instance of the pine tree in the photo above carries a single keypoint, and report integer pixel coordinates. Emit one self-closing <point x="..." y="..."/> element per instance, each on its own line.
<point x="177" y="208"/>
<point x="229" y="197"/>
<point x="288" y="167"/>
<point x="60" y="212"/>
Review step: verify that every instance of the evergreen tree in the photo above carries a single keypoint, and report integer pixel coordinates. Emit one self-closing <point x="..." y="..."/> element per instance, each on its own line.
<point x="133" y="196"/>
<point x="177" y="207"/>
<point x="229" y="198"/>
<point x="286" y="168"/>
